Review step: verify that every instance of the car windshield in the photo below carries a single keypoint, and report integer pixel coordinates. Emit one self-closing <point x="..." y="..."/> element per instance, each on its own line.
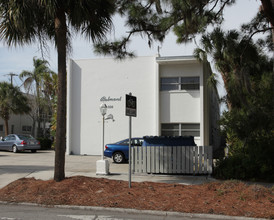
<point x="25" y="137"/>
<point x="134" y="141"/>
<point x="125" y="142"/>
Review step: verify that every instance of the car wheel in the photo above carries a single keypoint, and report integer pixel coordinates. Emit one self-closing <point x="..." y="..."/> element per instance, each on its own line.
<point x="14" y="149"/>
<point x="118" y="157"/>
<point x="33" y="151"/>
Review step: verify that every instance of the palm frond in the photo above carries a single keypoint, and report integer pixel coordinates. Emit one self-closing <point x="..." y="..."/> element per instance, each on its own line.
<point x="91" y="18"/>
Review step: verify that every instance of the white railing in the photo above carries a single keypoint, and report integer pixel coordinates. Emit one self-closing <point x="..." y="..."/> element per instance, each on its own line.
<point x="168" y="160"/>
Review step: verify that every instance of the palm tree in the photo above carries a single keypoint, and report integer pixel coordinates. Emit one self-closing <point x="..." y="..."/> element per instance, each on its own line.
<point x="12" y="101"/>
<point x="49" y="89"/>
<point x="24" y="22"/>
<point x="268" y="6"/>
<point x="236" y="58"/>
<point x="49" y="86"/>
<point x="36" y="77"/>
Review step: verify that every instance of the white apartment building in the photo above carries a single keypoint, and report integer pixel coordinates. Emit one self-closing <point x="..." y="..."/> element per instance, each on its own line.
<point x="173" y="98"/>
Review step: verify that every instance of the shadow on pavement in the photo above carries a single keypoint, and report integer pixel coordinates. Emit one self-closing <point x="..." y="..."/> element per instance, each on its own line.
<point x="23" y="168"/>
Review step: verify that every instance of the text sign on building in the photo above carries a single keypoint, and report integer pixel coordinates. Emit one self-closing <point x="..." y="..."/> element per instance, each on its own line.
<point x="131" y="106"/>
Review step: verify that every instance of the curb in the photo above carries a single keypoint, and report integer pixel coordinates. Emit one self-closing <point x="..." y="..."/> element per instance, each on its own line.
<point x="136" y="211"/>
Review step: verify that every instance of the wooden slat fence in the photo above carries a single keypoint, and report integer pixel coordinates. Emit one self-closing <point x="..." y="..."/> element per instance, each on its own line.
<point x="172" y="160"/>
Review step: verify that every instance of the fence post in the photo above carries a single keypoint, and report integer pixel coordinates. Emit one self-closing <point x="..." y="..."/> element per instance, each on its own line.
<point x="205" y="159"/>
<point x="148" y="159"/>
<point x="144" y="160"/>
<point x="210" y="159"/>
<point x="133" y="159"/>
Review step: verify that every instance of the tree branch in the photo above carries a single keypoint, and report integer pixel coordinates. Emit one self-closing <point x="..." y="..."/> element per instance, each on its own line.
<point x="259" y="31"/>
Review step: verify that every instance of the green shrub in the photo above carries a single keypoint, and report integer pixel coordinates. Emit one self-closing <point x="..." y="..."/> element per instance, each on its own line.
<point x="244" y="167"/>
<point x="45" y="143"/>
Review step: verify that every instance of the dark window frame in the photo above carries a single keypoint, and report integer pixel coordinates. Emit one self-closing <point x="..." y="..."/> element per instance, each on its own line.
<point x="183" y="83"/>
<point x="190" y="83"/>
<point x="183" y="129"/>
<point x="26" y="128"/>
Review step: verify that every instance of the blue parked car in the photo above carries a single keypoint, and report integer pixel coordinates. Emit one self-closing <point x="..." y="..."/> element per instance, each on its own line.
<point x="119" y="151"/>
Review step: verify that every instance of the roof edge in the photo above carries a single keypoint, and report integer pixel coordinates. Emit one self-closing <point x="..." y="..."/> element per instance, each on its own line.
<point x="173" y="59"/>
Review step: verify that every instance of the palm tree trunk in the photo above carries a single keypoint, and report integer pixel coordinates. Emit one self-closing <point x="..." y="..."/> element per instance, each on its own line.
<point x="6" y="126"/>
<point x="38" y="132"/>
<point x="60" y="147"/>
<point x="38" y="101"/>
<point x="33" y="127"/>
<point x="268" y="6"/>
<point x="225" y="80"/>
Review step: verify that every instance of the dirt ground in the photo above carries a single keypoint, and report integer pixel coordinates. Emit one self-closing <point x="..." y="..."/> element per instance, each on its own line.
<point x="232" y="198"/>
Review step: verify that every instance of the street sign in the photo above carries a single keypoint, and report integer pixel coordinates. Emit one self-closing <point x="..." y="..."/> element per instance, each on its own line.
<point x="131" y="105"/>
<point x="131" y="110"/>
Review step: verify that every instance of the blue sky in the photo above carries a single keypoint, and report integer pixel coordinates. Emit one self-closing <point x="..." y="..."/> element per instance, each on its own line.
<point x="15" y="60"/>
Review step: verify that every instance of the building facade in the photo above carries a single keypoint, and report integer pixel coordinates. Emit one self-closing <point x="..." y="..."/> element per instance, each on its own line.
<point x="173" y="98"/>
<point x="26" y="123"/>
<point x="18" y="124"/>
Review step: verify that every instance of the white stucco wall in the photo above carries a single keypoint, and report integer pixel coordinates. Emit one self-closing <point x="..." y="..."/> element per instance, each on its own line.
<point x="95" y="81"/>
<point x="180" y="106"/>
<point x="91" y="80"/>
<point x="183" y="107"/>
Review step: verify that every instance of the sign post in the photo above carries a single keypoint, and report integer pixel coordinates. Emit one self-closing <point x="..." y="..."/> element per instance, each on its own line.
<point x="131" y="107"/>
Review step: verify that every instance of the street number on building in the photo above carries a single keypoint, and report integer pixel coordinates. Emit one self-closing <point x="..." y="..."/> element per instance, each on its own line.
<point x="131" y="105"/>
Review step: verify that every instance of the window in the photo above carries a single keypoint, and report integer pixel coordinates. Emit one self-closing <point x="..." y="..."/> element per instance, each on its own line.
<point x="134" y="142"/>
<point x="25" y="137"/>
<point x="190" y="83"/>
<point x="170" y="130"/>
<point x="173" y="129"/>
<point x="171" y="83"/>
<point x="190" y="129"/>
<point x="137" y="142"/>
<point x="7" y="138"/>
<point x="26" y="128"/>
<point x="179" y="83"/>
<point x="10" y="138"/>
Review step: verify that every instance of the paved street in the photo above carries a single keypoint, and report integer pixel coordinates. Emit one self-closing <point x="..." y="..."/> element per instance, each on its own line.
<point x="30" y="212"/>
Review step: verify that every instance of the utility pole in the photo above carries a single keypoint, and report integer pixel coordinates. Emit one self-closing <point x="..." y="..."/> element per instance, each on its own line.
<point x="11" y="76"/>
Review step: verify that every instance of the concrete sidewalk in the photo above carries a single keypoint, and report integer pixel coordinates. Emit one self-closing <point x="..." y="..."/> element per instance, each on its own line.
<point x="40" y="165"/>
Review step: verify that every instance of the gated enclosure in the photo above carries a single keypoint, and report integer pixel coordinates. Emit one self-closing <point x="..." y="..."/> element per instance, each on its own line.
<point x="172" y="159"/>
